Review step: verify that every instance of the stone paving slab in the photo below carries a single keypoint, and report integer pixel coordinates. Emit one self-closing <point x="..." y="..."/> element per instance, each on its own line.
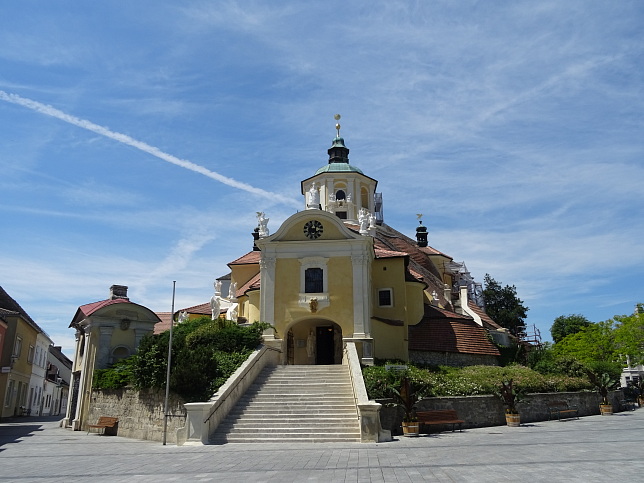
<point x="593" y="448"/>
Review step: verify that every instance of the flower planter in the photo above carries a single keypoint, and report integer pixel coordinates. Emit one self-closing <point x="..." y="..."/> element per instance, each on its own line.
<point x="606" y="409"/>
<point x="513" y="420"/>
<point x="411" y="428"/>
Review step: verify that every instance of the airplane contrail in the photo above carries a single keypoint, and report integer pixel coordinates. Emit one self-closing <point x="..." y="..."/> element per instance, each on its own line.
<point x="125" y="139"/>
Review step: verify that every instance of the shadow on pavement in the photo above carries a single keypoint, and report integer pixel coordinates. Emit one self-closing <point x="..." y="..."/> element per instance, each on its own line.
<point x="13" y="430"/>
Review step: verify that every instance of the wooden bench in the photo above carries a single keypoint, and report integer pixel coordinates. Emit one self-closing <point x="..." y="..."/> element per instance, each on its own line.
<point x="440" y="416"/>
<point x="107" y="424"/>
<point x="560" y="408"/>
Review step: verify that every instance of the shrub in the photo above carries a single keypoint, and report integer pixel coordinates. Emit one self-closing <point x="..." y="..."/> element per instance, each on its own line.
<point x="121" y="374"/>
<point x="470" y="381"/>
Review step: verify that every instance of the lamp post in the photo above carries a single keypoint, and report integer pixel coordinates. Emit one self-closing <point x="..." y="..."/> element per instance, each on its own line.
<point x="167" y="379"/>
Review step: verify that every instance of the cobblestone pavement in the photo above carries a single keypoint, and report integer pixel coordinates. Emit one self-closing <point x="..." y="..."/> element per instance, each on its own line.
<point x="594" y="448"/>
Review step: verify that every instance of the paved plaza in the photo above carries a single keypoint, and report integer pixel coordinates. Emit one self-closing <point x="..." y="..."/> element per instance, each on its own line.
<point x="594" y="448"/>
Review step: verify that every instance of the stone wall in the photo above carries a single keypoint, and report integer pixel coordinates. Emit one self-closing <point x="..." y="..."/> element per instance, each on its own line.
<point x="483" y="411"/>
<point x="452" y="359"/>
<point x="140" y="413"/>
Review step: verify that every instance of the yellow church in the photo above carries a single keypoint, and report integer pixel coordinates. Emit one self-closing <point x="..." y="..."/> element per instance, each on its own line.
<point x="335" y="272"/>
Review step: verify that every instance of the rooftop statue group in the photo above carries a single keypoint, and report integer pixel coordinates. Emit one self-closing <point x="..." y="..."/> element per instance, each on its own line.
<point x="216" y="302"/>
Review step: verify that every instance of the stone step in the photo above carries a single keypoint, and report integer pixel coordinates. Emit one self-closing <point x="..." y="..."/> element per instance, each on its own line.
<point x="349" y="432"/>
<point x="296" y="404"/>
<point x="285" y="438"/>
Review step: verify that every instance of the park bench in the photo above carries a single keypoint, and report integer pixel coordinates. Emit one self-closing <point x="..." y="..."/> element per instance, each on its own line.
<point x="107" y="424"/>
<point x="440" y="416"/>
<point x="562" y="408"/>
<point x="627" y="405"/>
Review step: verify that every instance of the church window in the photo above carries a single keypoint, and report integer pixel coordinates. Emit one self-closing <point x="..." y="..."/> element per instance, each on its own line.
<point x="340" y="195"/>
<point x="385" y="297"/>
<point x="313" y="280"/>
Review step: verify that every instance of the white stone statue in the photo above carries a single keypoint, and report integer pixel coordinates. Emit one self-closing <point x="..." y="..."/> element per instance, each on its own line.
<point x="232" y="291"/>
<point x="363" y="219"/>
<point x="231" y="313"/>
<point x="262" y="224"/>
<point x="372" y="221"/>
<point x="313" y="202"/>
<point x="215" y="301"/>
<point x="183" y="316"/>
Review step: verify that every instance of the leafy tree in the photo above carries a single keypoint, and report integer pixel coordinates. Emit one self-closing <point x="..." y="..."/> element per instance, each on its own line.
<point x="503" y="305"/>
<point x="593" y="343"/>
<point x="629" y="336"/>
<point x="565" y="325"/>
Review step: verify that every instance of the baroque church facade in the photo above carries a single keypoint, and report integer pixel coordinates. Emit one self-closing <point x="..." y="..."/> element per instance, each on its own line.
<point x="336" y="272"/>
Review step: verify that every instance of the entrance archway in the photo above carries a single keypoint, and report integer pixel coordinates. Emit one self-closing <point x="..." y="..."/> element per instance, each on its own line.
<point x="314" y="341"/>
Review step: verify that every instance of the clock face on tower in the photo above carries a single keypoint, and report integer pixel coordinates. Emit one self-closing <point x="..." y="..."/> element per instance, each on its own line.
<point x="313" y="229"/>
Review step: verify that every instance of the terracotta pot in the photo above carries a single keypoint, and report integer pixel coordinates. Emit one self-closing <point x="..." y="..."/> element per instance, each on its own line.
<point x="513" y="420"/>
<point x="411" y="428"/>
<point x="606" y="409"/>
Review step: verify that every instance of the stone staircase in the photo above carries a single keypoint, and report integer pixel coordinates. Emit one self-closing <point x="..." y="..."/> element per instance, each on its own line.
<point x="294" y="404"/>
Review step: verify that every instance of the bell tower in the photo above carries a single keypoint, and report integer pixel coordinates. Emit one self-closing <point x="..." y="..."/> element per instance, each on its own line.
<point x="342" y="189"/>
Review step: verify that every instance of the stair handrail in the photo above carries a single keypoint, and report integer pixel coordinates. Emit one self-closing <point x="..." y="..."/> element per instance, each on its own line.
<point x="199" y="426"/>
<point x="236" y="378"/>
<point x="368" y="411"/>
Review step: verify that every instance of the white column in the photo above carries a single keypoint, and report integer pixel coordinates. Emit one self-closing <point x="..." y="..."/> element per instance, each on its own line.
<point x="82" y="387"/>
<point x="267" y="292"/>
<point x="361" y="296"/>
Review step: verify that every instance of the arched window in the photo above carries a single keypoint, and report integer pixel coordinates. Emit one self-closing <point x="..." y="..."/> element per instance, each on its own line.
<point x="340" y="195"/>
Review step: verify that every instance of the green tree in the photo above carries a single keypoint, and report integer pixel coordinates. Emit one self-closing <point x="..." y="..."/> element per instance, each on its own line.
<point x="593" y="343"/>
<point x="503" y="305"/>
<point x="565" y="325"/>
<point x="629" y="336"/>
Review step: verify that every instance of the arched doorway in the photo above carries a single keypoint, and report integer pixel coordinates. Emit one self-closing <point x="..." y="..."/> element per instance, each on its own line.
<point x="314" y="341"/>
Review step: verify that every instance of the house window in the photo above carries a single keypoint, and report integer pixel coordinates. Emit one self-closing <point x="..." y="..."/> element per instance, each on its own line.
<point x="17" y="347"/>
<point x="9" y="396"/>
<point x="30" y="356"/>
<point x="385" y="297"/>
<point x="313" y="280"/>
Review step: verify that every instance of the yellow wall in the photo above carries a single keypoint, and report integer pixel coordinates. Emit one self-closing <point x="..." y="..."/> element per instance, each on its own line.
<point x="296" y="232"/>
<point x="21" y="371"/>
<point x="389" y="341"/>
<point x="340" y="285"/>
<point x="243" y="273"/>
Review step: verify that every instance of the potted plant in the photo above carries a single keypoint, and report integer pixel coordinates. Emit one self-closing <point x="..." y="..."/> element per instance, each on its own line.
<point x="406" y="397"/>
<point x="510" y="397"/>
<point x="600" y="376"/>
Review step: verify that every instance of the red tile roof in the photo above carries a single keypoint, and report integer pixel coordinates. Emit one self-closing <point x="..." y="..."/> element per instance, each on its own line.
<point x="488" y="323"/>
<point x="89" y="309"/>
<point x="253" y="284"/>
<point x="249" y="258"/>
<point x="444" y="331"/>
<point x="164" y="325"/>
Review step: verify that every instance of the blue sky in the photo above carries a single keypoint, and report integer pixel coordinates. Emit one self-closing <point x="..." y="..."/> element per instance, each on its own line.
<point x="138" y="139"/>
